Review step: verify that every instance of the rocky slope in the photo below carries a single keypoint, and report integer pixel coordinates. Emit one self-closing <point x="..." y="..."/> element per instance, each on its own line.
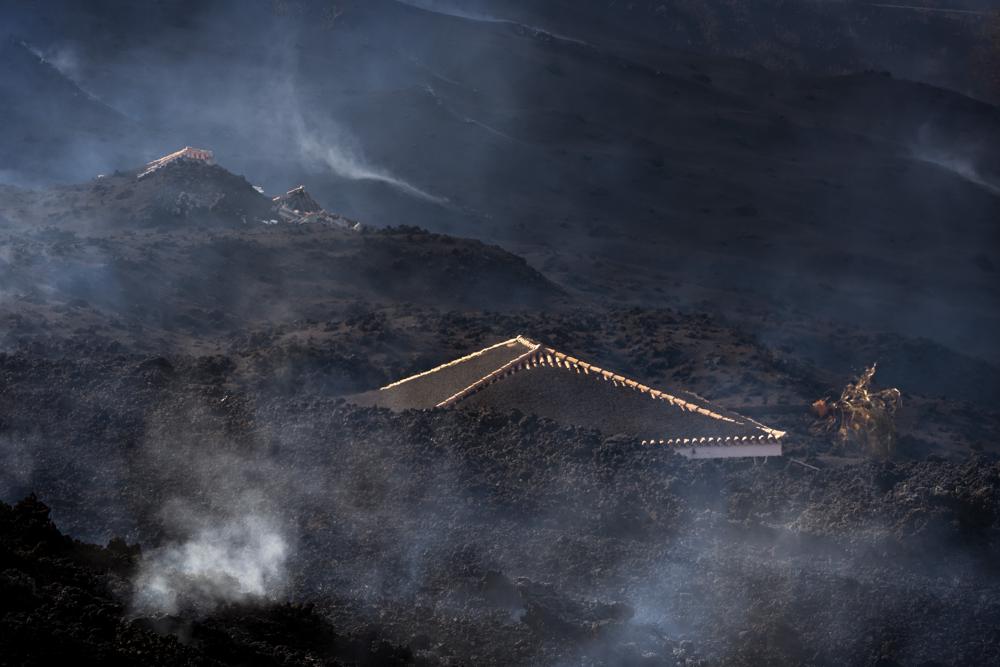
<point x="951" y="44"/>
<point x="194" y="247"/>
<point x="660" y="177"/>
<point x="63" y="603"/>
<point x="173" y="366"/>
<point x="52" y="129"/>
<point x="481" y="538"/>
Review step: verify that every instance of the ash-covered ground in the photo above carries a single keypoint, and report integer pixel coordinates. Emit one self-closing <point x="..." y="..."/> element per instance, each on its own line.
<point x="470" y="538"/>
<point x="198" y="414"/>
<point x="183" y="479"/>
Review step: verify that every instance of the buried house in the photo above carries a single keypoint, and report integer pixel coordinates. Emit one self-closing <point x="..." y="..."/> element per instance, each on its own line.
<point x="186" y="154"/>
<point x="528" y="376"/>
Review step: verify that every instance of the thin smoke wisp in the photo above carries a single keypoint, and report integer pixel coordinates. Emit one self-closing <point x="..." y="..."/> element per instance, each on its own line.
<point x="343" y="162"/>
<point x="961" y="167"/>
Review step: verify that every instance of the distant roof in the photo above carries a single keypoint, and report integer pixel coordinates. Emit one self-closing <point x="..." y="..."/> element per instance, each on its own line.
<point x="297" y="199"/>
<point x="186" y="153"/>
<point x="525" y="375"/>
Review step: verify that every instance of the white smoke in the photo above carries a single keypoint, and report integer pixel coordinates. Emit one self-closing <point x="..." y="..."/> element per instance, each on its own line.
<point x="240" y="559"/>
<point x="449" y="9"/>
<point x="939" y="10"/>
<point x="64" y="57"/>
<point x="960" y="166"/>
<point x="337" y="155"/>
<point x="65" y="61"/>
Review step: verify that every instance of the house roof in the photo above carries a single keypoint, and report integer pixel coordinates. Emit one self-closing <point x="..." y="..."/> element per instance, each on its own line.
<point x="298" y="200"/>
<point x="525" y="375"/>
<point x="186" y="153"/>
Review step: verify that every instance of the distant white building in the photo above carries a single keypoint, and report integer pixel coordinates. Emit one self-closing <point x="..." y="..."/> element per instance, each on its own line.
<point x="187" y="153"/>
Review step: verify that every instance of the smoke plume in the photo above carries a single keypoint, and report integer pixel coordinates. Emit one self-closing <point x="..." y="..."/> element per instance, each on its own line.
<point x="239" y="559"/>
<point x="344" y="162"/>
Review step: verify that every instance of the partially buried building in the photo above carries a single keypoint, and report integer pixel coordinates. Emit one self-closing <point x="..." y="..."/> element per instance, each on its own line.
<point x="528" y="376"/>
<point x="186" y="154"/>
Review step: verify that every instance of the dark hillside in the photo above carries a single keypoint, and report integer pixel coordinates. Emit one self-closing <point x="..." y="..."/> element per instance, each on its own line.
<point x="750" y="202"/>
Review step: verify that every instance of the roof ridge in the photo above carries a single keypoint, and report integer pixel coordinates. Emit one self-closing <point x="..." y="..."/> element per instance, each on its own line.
<point x="506" y="370"/>
<point x="676" y="401"/>
<point x="547" y="356"/>
<point x="772" y="432"/>
<point x="516" y="339"/>
<point x="188" y="152"/>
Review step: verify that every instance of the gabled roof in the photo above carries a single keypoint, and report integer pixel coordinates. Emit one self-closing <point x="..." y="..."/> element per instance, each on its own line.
<point x="525" y="375"/>
<point x="187" y="153"/>
<point x="298" y="200"/>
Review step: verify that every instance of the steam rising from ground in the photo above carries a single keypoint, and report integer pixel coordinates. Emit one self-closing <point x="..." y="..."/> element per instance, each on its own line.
<point x="225" y="538"/>
<point x="335" y="153"/>
<point x="940" y="10"/>
<point x="961" y="167"/>
<point x="65" y="61"/>
<point x="347" y="165"/>
<point x="239" y="559"/>
<point x="450" y="10"/>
